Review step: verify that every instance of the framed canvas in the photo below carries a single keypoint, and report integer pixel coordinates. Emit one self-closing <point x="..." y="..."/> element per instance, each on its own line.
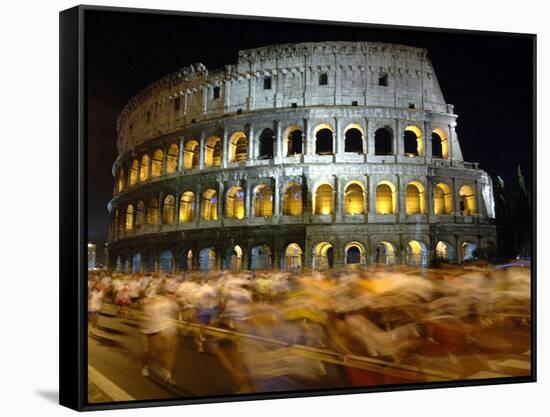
<point x="255" y="207"/>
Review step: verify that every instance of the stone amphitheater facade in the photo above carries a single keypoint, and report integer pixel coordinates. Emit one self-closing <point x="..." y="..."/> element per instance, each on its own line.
<point x="309" y="155"/>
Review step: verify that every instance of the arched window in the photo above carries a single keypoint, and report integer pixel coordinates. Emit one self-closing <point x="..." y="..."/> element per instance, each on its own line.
<point x="136" y="263"/>
<point x="144" y="168"/>
<point x="150" y="262"/>
<point x="234" y="208"/>
<point x="383" y="141"/>
<point x="263" y="201"/>
<point x="467" y="249"/>
<point x="185" y="260"/>
<point x="443" y="199"/>
<point x="294" y="142"/>
<point x="355" y="253"/>
<point x="440" y="145"/>
<point x="323" y="140"/>
<point x="207" y="259"/>
<point x="134" y="172"/>
<point x="156" y="164"/>
<point x="130" y="218"/>
<point x="140" y="215"/>
<point x="385" y="198"/>
<point x="417" y="253"/>
<point x="165" y="261"/>
<point x="467" y="201"/>
<point x="172" y="159"/>
<point x="293" y="257"/>
<point x="260" y="257"/>
<point x="353" y="140"/>
<point x="238" y="145"/>
<point x="234" y="259"/>
<point x="213" y="152"/>
<point x="414" y="203"/>
<point x="187" y="207"/>
<point x="324" y="200"/>
<point x="209" y="205"/>
<point x="168" y="209"/>
<point x="444" y="252"/>
<point x="266" y="144"/>
<point x="191" y="155"/>
<point x="292" y="202"/>
<point x="413" y="141"/>
<point x="354" y="199"/>
<point x="323" y="256"/>
<point x="153" y="211"/>
<point x="120" y="182"/>
<point x="384" y="253"/>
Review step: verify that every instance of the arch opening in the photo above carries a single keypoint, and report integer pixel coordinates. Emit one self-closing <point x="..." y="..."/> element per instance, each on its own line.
<point x="385" y="198"/>
<point x="467" y="201"/>
<point x="168" y="209"/>
<point x="295" y="142"/>
<point x="134" y="172"/>
<point x="417" y="254"/>
<point x="353" y="141"/>
<point x="292" y="202"/>
<point x="234" y="208"/>
<point x="209" y="205"/>
<point x="191" y="155"/>
<point x="234" y="259"/>
<point x="383" y="141"/>
<point x="385" y="253"/>
<point x="467" y="251"/>
<point x="443" y="199"/>
<point x="172" y="159"/>
<point x="129" y="226"/>
<point x="263" y="201"/>
<point x="165" y="261"/>
<point x="187" y="207"/>
<point x="444" y="252"/>
<point x="354" y="199"/>
<point x="415" y="201"/>
<point x="156" y="163"/>
<point x="412" y="137"/>
<point x="324" y="199"/>
<point x="440" y="144"/>
<point x="152" y="212"/>
<point x="260" y="257"/>
<point x="293" y="258"/>
<point x="324" y="141"/>
<point x="207" y="259"/>
<point x="238" y="145"/>
<point x="213" y="152"/>
<point x="323" y="256"/>
<point x="266" y="140"/>
<point x="136" y="262"/>
<point x="355" y="254"/>
<point x="144" y="168"/>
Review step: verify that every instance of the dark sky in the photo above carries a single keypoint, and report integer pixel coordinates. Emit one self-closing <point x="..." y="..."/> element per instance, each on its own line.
<point x="488" y="78"/>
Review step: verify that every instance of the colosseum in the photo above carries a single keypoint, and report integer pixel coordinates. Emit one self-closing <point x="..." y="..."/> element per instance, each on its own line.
<point x="309" y="155"/>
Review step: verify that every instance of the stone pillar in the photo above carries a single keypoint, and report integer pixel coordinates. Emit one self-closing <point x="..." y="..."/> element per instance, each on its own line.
<point x="202" y="145"/>
<point x="400" y="202"/>
<point x="398" y="142"/>
<point x="164" y="160"/>
<point x="160" y="206"/>
<point x="220" y="198"/>
<point x="427" y="132"/>
<point x="338" y="142"/>
<point x="276" y="196"/>
<point x="225" y="148"/>
<point x="247" y="199"/>
<point x="372" y="194"/>
<point x="150" y="166"/>
<point x="177" y="209"/>
<point x="338" y="199"/>
<point x="180" y="153"/>
<point x="250" y="138"/>
<point x="308" y="143"/>
<point x="278" y="141"/>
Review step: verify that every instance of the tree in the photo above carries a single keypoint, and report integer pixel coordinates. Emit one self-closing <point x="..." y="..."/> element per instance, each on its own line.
<point x="506" y="235"/>
<point x="523" y="218"/>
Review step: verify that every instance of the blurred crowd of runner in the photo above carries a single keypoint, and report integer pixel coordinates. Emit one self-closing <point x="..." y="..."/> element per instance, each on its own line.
<point x="402" y="316"/>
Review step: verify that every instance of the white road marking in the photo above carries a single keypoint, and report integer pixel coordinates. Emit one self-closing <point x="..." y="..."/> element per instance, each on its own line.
<point x="108" y="387"/>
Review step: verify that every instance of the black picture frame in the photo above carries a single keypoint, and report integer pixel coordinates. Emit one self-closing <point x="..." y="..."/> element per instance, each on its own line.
<point x="73" y="215"/>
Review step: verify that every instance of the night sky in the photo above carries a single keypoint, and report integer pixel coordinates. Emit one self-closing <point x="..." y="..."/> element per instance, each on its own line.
<point x="488" y="78"/>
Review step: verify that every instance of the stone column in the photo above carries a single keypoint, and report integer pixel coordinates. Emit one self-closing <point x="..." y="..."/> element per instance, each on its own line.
<point x="247" y="200"/>
<point x="372" y="194"/>
<point x="369" y="149"/>
<point x="164" y="160"/>
<point x="278" y="141"/>
<point x="202" y="145"/>
<point x="160" y="206"/>
<point x="180" y="153"/>
<point x="398" y="142"/>
<point x="220" y="198"/>
<point x="198" y="205"/>
<point x="225" y="148"/>
<point x="177" y="209"/>
<point x="337" y="199"/>
<point x="276" y="197"/>
<point x="309" y="142"/>
<point x="427" y="132"/>
<point x="250" y="137"/>
<point x="338" y="142"/>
